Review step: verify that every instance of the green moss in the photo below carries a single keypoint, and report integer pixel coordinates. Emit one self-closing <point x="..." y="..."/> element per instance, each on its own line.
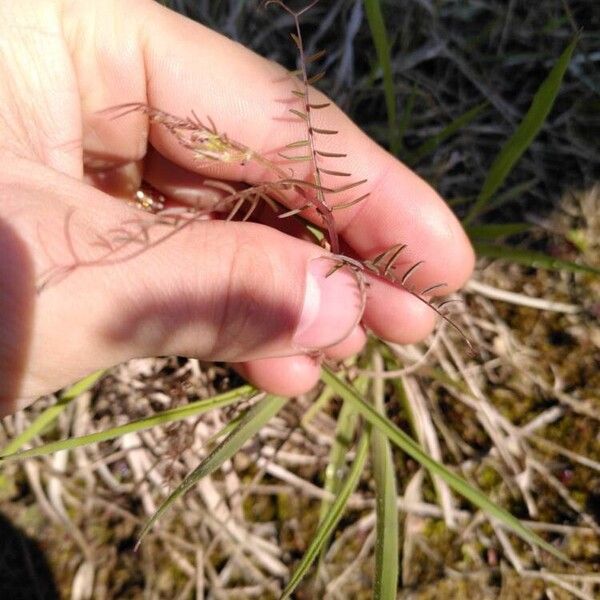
<point x="488" y="478"/>
<point x="583" y="546"/>
<point x="260" y="508"/>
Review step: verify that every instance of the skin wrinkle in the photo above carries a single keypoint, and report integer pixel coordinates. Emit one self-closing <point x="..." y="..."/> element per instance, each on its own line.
<point x="144" y="44"/>
<point x="17" y="127"/>
<point x="107" y="75"/>
<point x="40" y="109"/>
<point x="73" y="36"/>
<point x="271" y="277"/>
<point x="224" y="306"/>
<point x="144" y="139"/>
<point x="236" y="314"/>
<point x="16" y="150"/>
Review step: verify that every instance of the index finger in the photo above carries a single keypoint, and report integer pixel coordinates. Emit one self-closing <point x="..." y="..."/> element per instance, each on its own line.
<point x="188" y="66"/>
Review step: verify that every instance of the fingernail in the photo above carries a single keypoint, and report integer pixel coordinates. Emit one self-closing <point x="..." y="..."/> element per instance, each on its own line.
<point x="333" y="304"/>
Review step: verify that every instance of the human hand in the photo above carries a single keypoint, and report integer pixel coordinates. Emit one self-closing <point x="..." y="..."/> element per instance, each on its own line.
<point x="230" y="291"/>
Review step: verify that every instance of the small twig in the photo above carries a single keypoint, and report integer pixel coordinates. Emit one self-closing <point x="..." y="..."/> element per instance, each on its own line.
<point x="495" y="293"/>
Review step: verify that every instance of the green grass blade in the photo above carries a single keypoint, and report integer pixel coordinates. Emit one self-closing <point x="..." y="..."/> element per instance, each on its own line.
<point x="493" y="231"/>
<point x="317" y="406"/>
<point x="345" y="429"/>
<point x="253" y="420"/>
<point x="51" y="413"/>
<point x="525" y="133"/>
<point x="344" y="436"/>
<point x="516" y="191"/>
<point x="168" y="416"/>
<point x="333" y="516"/>
<point x="531" y="258"/>
<point x="386" y="496"/>
<point x="382" y="47"/>
<point x="405" y="119"/>
<point x="410" y="447"/>
<point x="458" y="201"/>
<point x="456" y="125"/>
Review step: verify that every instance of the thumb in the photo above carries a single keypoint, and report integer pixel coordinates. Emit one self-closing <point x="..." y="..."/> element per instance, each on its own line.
<point x="213" y="290"/>
<point x="234" y="292"/>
